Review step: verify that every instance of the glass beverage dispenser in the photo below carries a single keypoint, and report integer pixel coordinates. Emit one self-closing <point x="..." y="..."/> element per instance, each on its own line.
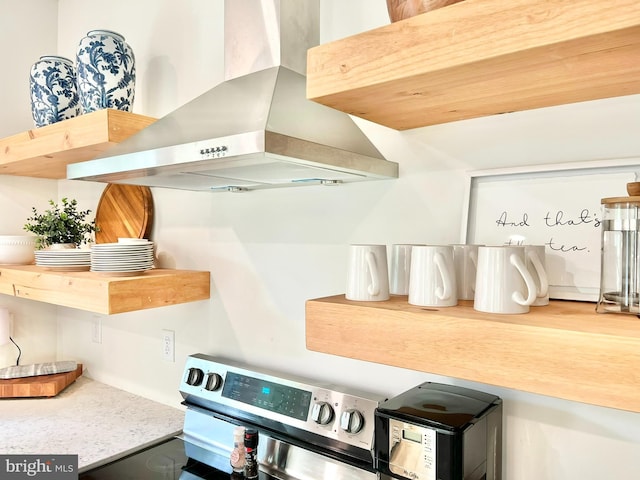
<point x="620" y="267"/>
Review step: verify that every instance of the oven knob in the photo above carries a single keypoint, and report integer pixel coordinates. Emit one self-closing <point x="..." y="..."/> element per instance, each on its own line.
<point x="195" y="376"/>
<point x="351" y="421"/>
<point x="322" y="413"/>
<point x="214" y="382"/>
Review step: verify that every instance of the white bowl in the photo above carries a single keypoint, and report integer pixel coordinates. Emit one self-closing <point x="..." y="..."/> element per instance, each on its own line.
<point x="17" y="249"/>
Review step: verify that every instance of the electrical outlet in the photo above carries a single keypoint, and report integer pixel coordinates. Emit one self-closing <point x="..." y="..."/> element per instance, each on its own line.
<point x="168" y="345"/>
<point x="96" y="330"/>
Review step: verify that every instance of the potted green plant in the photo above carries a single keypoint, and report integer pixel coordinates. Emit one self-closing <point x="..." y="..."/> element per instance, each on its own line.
<point x="61" y="225"/>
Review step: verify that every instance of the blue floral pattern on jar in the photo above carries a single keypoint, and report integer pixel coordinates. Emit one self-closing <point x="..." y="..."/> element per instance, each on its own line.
<point x="54" y="94"/>
<point x="106" y="72"/>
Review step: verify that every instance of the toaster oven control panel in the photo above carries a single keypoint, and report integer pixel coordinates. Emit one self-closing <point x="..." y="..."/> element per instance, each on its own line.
<point x="412" y="450"/>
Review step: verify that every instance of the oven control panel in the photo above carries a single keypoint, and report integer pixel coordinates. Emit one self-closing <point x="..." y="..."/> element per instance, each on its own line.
<point x="333" y="412"/>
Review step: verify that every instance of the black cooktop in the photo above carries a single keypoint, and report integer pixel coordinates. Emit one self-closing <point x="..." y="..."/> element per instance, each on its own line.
<point x="165" y="460"/>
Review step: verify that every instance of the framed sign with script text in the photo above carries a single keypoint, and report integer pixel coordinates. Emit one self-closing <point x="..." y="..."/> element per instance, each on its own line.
<point x="557" y="206"/>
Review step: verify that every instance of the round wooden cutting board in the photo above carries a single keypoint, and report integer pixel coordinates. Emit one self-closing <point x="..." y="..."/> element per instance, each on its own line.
<point x="124" y="211"/>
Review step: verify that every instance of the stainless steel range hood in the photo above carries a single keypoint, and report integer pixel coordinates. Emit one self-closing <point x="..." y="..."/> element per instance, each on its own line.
<point x="255" y="130"/>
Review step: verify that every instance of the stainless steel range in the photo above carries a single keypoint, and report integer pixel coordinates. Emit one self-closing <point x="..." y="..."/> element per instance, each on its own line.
<point x="307" y="430"/>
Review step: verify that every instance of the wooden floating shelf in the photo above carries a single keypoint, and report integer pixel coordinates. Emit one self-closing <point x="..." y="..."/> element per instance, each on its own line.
<point x="563" y="350"/>
<point x="481" y="57"/>
<point x="105" y="294"/>
<point x="45" y="152"/>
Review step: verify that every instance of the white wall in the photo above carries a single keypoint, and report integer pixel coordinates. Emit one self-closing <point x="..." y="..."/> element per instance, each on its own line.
<point x="34" y="324"/>
<point x="270" y="251"/>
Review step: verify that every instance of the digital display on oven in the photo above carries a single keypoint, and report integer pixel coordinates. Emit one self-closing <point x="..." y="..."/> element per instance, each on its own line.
<point x="271" y="396"/>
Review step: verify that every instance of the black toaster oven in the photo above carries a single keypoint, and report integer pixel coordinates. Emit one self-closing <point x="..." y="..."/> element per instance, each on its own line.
<point x="439" y="432"/>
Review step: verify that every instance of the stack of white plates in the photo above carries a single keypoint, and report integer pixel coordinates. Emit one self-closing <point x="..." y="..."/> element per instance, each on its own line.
<point x="122" y="258"/>
<point x="64" y="260"/>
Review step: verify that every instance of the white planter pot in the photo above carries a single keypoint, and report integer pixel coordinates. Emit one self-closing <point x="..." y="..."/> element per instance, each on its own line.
<point x="61" y="246"/>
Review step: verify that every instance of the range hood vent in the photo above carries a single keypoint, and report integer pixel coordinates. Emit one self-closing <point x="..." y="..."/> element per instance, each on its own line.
<point x="255" y="130"/>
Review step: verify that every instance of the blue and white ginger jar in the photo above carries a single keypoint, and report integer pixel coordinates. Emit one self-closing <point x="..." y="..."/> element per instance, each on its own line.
<point x="106" y="72"/>
<point x="54" y="95"/>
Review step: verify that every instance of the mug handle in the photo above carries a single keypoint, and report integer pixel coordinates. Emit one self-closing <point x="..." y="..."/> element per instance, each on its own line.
<point x="517" y="262"/>
<point x="444" y="292"/>
<point x="374" y="288"/>
<point x="540" y="271"/>
<point x="474" y="261"/>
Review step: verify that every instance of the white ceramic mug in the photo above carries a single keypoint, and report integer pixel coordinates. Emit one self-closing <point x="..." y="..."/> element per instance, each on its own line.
<point x="536" y="264"/>
<point x="400" y="268"/>
<point x="503" y="282"/>
<point x="432" y="280"/>
<point x="465" y="259"/>
<point x="367" y="274"/>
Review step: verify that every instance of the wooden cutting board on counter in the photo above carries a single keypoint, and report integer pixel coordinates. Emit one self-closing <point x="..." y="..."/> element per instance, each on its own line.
<point x="38" y="386"/>
<point x="124" y="211"/>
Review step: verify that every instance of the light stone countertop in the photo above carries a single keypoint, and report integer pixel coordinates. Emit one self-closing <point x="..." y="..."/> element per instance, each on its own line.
<point x="93" y="420"/>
